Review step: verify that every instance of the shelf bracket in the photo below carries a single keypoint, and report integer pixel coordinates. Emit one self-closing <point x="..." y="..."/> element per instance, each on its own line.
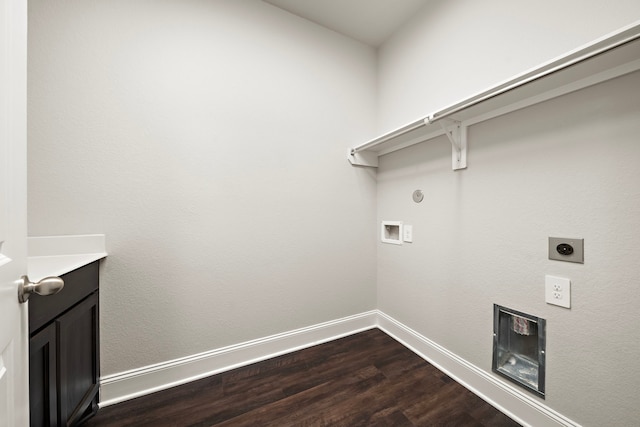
<point x="457" y="134"/>
<point x="363" y="158"/>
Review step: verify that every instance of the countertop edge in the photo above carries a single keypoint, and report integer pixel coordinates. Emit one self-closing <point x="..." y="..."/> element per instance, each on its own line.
<point x="40" y="267"/>
<point x="58" y="255"/>
<point x="66" y="245"/>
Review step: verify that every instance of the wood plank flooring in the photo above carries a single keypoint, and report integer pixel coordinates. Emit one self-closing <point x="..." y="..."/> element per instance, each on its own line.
<point x="367" y="379"/>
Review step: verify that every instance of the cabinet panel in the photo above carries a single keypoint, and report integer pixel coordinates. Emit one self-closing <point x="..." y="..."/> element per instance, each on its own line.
<point x="42" y="378"/>
<point x="78" y="284"/>
<point x="78" y="361"/>
<point x="64" y="351"/>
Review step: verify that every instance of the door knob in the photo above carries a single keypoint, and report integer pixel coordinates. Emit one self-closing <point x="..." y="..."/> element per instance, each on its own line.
<point x="46" y="286"/>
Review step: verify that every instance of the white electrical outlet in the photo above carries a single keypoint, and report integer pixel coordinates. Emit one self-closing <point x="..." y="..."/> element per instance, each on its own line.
<point x="407" y="231"/>
<point x="557" y="291"/>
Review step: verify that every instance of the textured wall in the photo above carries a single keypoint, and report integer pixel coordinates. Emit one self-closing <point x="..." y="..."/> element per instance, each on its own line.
<point x="207" y="140"/>
<point x="567" y="167"/>
<point x="453" y="49"/>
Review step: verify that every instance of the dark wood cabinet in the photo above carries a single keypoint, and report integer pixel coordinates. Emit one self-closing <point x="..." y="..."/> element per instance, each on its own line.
<point x="43" y="378"/>
<point x="64" y="351"/>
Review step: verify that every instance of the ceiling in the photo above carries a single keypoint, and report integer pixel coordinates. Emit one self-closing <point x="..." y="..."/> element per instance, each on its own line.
<point x="369" y="21"/>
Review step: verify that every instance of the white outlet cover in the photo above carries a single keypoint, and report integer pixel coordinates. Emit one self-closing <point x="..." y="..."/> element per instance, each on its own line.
<point x="407" y="233"/>
<point x="557" y="291"/>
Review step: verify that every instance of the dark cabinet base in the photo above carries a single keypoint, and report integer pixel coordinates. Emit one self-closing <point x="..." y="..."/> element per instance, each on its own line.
<point x="43" y="393"/>
<point x="64" y="352"/>
<point x="77" y="369"/>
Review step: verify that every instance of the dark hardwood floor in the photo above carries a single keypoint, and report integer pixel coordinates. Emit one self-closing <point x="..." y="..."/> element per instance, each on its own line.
<point x="367" y="379"/>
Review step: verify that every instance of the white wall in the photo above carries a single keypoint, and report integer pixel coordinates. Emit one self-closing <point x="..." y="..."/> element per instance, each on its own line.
<point x="207" y="140"/>
<point x="567" y="167"/>
<point x="453" y="49"/>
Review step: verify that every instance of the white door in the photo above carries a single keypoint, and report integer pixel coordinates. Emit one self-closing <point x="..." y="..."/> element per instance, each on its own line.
<point x="14" y="383"/>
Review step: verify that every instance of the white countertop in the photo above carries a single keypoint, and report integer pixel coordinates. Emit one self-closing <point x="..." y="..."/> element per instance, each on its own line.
<point x="57" y="255"/>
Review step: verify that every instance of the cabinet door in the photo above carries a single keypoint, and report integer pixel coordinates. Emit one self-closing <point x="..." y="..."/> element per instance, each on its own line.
<point x="78" y="362"/>
<point x="42" y="378"/>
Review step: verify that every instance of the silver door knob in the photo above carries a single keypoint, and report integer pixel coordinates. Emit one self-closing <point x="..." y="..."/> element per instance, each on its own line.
<point x="46" y="286"/>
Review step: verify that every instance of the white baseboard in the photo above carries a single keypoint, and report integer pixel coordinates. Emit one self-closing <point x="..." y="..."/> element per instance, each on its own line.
<point x="517" y="404"/>
<point x="139" y="382"/>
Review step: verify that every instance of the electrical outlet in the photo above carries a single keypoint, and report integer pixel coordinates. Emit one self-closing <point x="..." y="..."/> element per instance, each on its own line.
<point x="407" y="231"/>
<point x="557" y="291"/>
<point x="563" y="249"/>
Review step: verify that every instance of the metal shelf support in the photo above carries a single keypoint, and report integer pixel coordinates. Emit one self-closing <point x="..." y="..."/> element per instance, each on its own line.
<point x="363" y="158"/>
<point x="457" y="134"/>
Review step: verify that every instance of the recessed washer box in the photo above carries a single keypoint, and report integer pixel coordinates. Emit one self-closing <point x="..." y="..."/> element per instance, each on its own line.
<point x="391" y="232"/>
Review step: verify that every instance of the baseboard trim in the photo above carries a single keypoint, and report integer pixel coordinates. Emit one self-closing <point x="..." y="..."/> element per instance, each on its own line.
<point x="128" y="385"/>
<point x="517" y="404"/>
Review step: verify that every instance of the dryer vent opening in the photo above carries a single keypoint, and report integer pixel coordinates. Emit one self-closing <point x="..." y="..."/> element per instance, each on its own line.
<point x="519" y="348"/>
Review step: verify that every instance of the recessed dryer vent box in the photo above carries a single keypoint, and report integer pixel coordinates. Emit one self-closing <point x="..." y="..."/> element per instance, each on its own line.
<point x="519" y="345"/>
<point x="391" y="232"/>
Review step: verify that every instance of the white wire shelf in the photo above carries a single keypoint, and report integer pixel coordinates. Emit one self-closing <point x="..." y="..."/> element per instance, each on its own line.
<point x="604" y="59"/>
